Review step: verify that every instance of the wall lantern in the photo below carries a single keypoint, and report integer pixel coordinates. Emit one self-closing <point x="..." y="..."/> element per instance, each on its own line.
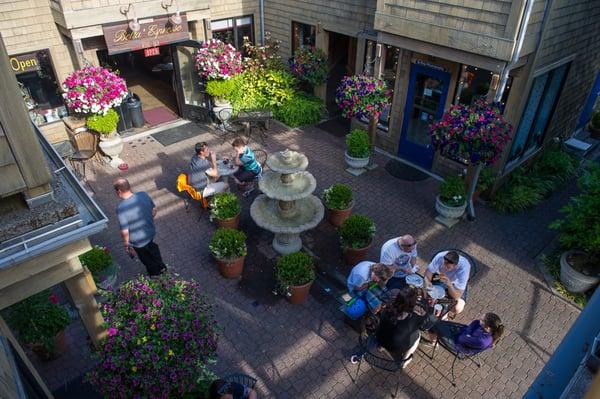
<point x="134" y="25"/>
<point x="175" y="18"/>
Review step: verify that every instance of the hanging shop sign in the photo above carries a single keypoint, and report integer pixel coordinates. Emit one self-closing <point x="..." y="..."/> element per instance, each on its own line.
<point x="22" y="63"/>
<point x="152" y="33"/>
<point x="151" y="52"/>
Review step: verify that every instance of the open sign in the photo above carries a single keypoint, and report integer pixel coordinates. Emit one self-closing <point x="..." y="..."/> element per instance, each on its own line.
<point x="24" y="63"/>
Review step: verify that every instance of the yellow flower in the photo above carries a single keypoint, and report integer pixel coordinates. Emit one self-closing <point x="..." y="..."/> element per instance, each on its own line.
<point x="134" y="369"/>
<point x="171" y="352"/>
<point x="153" y="327"/>
<point x="144" y="339"/>
<point x="139" y="342"/>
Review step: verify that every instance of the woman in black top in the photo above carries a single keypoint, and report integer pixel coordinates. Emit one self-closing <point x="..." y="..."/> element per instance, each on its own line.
<point x="398" y="331"/>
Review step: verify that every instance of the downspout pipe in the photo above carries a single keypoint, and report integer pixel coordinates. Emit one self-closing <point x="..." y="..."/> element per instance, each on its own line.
<point x="261" y="10"/>
<point x="517" y="50"/>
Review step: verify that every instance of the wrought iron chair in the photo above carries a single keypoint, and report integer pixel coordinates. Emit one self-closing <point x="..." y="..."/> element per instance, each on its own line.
<point x="229" y="126"/>
<point x="382" y="360"/>
<point x="86" y="147"/>
<point x="243" y="379"/>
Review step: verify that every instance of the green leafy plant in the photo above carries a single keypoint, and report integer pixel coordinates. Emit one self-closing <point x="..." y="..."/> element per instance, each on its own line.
<point x="103" y="124"/>
<point x="38" y="319"/>
<point x="452" y="191"/>
<point x="225" y="206"/>
<point x="555" y="165"/>
<point x="580" y="227"/>
<point x="263" y="57"/>
<point x="338" y="196"/>
<point x="300" y="110"/>
<point x="221" y="89"/>
<point x="356" y="232"/>
<point x="486" y="180"/>
<point x="295" y="269"/>
<point x="267" y="89"/>
<point x="358" y="144"/>
<point x="516" y="198"/>
<point x="228" y="244"/>
<point x="96" y="259"/>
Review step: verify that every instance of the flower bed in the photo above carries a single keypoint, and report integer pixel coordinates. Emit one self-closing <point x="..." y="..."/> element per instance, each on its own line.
<point x="218" y="60"/>
<point x="93" y="90"/>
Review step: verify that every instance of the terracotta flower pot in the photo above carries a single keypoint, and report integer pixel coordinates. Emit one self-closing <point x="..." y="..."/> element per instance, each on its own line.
<point x="299" y="293"/>
<point x="337" y="216"/>
<point x="354" y="255"/>
<point x="229" y="223"/>
<point x="231" y="268"/>
<point x="60" y="346"/>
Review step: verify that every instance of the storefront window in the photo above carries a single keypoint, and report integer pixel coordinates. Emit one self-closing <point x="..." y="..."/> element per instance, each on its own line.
<point x="233" y="30"/>
<point x="474" y="83"/>
<point x="303" y="35"/>
<point x="38" y="86"/>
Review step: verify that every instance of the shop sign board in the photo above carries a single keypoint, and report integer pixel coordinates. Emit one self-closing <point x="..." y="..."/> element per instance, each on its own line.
<point x="153" y="33"/>
<point x="151" y="52"/>
<point x="22" y="63"/>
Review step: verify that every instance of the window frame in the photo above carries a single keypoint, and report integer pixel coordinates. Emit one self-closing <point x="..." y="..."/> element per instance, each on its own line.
<point x="234" y="27"/>
<point x="295" y="45"/>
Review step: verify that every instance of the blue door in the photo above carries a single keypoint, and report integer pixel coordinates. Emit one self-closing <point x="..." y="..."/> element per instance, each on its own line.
<point x="425" y="101"/>
<point x="586" y="114"/>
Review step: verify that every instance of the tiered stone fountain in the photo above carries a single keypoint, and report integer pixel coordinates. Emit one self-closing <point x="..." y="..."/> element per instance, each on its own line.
<point x="287" y="206"/>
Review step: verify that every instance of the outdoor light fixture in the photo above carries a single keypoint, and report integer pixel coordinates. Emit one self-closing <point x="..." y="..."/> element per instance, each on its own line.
<point x="175" y="19"/>
<point x="134" y="25"/>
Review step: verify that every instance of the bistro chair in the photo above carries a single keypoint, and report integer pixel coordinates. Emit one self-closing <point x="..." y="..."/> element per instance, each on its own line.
<point x="378" y="358"/>
<point x="86" y="147"/>
<point x="239" y="378"/>
<point x="247" y="187"/>
<point x="230" y="128"/>
<point x="183" y="185"/>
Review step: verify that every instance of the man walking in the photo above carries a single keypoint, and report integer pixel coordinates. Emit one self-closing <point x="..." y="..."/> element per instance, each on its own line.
<point x="136" y="214"/>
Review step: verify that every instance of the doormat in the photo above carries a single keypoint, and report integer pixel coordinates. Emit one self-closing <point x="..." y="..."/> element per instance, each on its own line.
<point x="338" y="126"/>
<point x="179" y="133"/>
<point x="156" y="116"/>
<point x="402" y="171"/>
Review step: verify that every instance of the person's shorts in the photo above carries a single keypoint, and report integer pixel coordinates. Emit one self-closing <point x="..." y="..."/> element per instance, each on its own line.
<point x="464" y="294"/>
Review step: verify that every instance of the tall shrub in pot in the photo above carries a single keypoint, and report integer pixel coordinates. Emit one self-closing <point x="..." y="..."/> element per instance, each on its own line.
<point x="228" y="246"/>
<point x="339" y="203"/>
<point x="356" y="234"/>
<point x="295" y="274"/>
<point x="225" y="210"/>
<point x="358" y="149"/>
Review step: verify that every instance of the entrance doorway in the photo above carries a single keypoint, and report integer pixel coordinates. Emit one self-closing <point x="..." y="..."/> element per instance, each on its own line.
<point x="342" y="59"/>
<point x="149" y="75"/>
<point x="425" y="102"/>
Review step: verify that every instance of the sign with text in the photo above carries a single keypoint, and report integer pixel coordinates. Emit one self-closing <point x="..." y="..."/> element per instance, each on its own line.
<point x="22" y="63"/>
<point x="151" y="52"/>
<point x="153" y="33"/>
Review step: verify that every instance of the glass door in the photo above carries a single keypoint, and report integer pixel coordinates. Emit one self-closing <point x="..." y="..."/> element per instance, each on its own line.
<point x="192" y="100"/>
<point x="425" y="101"/>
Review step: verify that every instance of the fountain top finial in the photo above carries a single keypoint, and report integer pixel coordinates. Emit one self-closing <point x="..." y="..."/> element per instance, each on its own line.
<point x="287" y="161"/>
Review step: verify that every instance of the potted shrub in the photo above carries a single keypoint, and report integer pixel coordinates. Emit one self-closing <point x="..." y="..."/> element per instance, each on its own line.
<point x="580" y="235"/>
<point x="451" y="201"/>
<point x="228" y="246"/>
<point x="220" y="90"/>
<point x="594" y="126"/>
<point x="225" y="210"/>
<point x="295" y="274"/>
<point x="100" y="264"/>
<point x="358" y="149"/>
<point x="110" y="143"/>
<point x="356" y="234"/>
<point x="161" y="337"/>
<point x="40" y="322"/>
<point x="339" y="203"/>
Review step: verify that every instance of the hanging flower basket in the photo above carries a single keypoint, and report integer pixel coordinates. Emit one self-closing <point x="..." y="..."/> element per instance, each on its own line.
<point x="218" y="60"/>
<point x="309" y="65"/>
<point x="93" y="90"/>
<point x="361" y="96"/>
<point x="476" y="133"/>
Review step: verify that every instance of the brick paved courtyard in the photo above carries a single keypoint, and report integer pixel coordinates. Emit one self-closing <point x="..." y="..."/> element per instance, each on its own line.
<point x="302" y="351"/>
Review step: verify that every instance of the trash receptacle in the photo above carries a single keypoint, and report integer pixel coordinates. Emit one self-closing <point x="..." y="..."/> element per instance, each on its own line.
<point x="134" y="107"/>
<point x="124" y="118"/>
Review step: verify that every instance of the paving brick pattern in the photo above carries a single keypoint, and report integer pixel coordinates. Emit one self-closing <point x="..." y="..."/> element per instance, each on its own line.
<point x="302" y="351"/>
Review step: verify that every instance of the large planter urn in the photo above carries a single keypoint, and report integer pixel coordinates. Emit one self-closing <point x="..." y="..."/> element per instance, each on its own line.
<point x="356" y="163"/>
<point x="60" y="346"/>
<point x="573" y="280"/>
<point x="354" y="255"/>
<point x="220" y="104"/>
<point x="231" y="268"/>
<point x="229" y="223"/>
<point x="447" y="211"/>
<point x="107" y="278"/>
<point x="112" y="145"/>
<point x="337" y="216"/>
<point x="298" y="293"/>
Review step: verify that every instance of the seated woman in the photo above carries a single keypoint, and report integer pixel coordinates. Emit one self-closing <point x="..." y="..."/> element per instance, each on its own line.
<point x="398" y="330"/>
<point x="202" y="166"/>
<point x="366" y="280"/>
<point x="476" y="337"/>
<point x="245" y="159"/>
<point x="221" y="389"/>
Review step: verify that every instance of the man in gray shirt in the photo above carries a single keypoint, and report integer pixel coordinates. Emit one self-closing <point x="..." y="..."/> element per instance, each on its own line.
<point x="202" y="166"/>
<point x="136" y="214"/>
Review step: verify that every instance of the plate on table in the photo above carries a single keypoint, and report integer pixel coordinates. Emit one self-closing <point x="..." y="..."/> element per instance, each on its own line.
<point x="414" y="280"/>
<point x="436" y="291"/>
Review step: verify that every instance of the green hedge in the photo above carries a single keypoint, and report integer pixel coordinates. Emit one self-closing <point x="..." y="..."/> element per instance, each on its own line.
<point x="300" y="110"/>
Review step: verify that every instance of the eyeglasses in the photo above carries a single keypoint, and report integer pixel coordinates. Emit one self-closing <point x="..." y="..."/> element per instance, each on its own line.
<point x="446" y="260"/>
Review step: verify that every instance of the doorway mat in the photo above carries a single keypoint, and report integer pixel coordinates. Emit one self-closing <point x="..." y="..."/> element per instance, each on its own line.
<point x="338" y="126"/>
<point x="158" y="115"/>
<point x="402" y="171"/>
<point x="179" y="133"/>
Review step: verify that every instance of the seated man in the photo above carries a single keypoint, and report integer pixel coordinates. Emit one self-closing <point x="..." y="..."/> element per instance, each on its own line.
<point x="366" y="280"/>
<point x="245" y="159"/>
<point x="401" y="254"/>
<point x="202" y="165"/>
<point x="453" y="272"/>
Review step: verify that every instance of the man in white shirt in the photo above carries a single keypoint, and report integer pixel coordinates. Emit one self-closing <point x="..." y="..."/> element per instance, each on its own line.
<point x="453" y="271"/>
<point x="401" y="254"/>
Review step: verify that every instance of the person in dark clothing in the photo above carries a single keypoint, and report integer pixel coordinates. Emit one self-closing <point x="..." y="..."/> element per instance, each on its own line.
<point x="135" y="214"/>
<point x="476" y="337"/>
<point x="398" y="331"/>
<point x="221" y="389"/>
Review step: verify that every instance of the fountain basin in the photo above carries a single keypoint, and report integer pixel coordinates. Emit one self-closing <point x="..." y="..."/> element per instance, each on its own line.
<point x="302" y="185"/>
<point x="287" y="162"/>
<point x="266" y="213"/>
